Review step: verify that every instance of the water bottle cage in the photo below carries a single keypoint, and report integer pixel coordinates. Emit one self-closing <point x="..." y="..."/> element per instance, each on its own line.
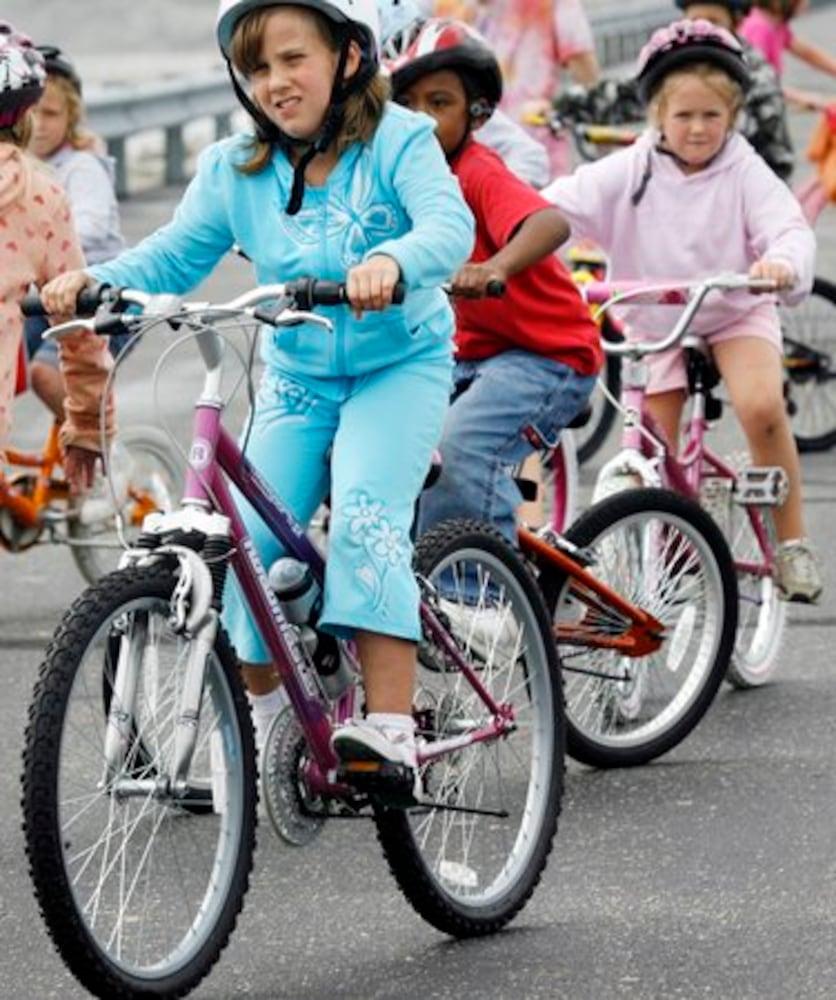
<point x="766" y="486"/>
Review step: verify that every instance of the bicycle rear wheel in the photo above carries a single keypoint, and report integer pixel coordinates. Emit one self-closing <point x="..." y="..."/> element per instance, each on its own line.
<point x="148" y="477"/>
<point x="761" y="615"/>
<point x="809" y="332"/>
<point x="662" y="553"/>
<point x="470" y="860"/>
<point x="139" y="890"/>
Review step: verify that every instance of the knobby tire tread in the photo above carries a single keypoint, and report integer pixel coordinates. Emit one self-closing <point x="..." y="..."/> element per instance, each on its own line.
<point x="40" y="808"/>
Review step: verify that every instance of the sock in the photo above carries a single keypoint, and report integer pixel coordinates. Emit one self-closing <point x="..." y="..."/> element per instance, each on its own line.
<point x="264" y="708"/>
<point x="393" y="724"/>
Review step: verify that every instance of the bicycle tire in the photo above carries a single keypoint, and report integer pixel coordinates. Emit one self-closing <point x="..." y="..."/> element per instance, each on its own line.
<point x="468" y="873"/>
<point x="592" y="436"/>
<point x="154" y="481"/>
<point x="139" y="894"/>
<point x="762" y="615"/>
<point x="809" y="333"/>
<point x="663" y="553"/>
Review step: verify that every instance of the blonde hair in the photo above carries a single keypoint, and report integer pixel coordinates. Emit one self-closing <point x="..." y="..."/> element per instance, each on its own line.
<point x="720" y="82"/>
<point x="20" y="133"/>
<point x="363" y="109"/>
<point x="77" y="136"/>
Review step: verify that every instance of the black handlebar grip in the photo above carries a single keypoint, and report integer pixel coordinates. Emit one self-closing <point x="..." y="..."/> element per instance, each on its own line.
<point x="31" y="305"/>
<point x="88" y="301"/>
<point x="310" y="292"/>
<point x="495" y="289"/>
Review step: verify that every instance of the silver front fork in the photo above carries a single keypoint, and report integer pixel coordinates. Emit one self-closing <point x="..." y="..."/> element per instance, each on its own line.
<point x="192" y="616"/>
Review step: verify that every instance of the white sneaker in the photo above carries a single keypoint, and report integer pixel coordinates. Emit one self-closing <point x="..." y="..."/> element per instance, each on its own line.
<point x="797" y="575"/>
<point x="492" y="633"/>
<point x="360" y="742"/>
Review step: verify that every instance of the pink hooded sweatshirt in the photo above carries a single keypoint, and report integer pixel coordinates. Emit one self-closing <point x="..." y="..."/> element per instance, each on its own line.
<point x="689" y="226"/>
<point x="37" y="243"/>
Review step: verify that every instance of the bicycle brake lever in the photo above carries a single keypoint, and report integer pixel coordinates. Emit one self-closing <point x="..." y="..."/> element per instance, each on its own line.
<point x="282" y="316"/>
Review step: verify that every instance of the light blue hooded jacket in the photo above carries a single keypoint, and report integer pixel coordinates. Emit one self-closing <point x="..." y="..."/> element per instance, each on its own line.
<point x="394" y="195"/>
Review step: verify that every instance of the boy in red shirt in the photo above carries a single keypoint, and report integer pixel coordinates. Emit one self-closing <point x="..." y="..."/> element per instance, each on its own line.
<point x="526" y="362"/>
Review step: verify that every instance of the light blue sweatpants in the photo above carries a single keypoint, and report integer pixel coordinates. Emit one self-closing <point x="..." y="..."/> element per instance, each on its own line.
<point x="369" y="440"/>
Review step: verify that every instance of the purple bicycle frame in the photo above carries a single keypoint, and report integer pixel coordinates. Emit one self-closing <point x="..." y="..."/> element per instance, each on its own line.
<point x="215" y="458"/>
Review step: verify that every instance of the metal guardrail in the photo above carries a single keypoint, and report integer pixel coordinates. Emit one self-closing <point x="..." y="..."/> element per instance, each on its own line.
<point x="119" y="114"/>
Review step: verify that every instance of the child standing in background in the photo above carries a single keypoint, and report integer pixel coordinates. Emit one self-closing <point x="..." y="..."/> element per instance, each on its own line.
<point x="768" y="27"/>
<point x="86" y="175"/>
<point x="533" y="40"/>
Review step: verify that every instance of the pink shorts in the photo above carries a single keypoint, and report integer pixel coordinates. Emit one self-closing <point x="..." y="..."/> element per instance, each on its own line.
<point x="667" y="371"/>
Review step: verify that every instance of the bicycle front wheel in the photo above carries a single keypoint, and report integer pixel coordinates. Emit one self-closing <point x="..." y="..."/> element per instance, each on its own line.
<point x="147" y="477"/>
<point x="140" y="889"/>
<point x="809" y="333"/>
<point x="664" y="555"/>
<point x="470" y="858"/>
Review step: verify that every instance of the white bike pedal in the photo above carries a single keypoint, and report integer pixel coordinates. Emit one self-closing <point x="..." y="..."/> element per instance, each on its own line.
<point x="762" y="486"/>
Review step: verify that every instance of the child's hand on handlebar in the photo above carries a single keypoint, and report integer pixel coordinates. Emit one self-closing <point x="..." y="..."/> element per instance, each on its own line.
<point x="776" y="271"/>
<point x="80" y="468"/>
<point x="472" y="281"/>
<point x="59" y="296"/>
<point x="370" y="285"/>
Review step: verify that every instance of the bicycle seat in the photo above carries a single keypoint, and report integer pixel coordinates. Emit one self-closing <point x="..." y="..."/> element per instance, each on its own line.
<point x="703" y="374"/>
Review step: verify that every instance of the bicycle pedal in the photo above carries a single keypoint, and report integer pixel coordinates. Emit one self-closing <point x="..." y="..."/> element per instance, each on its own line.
<point x="761" y="486"/>
<point x="391" y="784"/>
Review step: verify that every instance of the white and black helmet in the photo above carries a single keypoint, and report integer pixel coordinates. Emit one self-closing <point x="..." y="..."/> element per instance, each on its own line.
<point x="22" y="75"/>
<point x="359" y="16"/>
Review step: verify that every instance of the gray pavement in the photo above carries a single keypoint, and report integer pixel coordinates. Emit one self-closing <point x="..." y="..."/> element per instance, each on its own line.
<point x="708" y="874"/>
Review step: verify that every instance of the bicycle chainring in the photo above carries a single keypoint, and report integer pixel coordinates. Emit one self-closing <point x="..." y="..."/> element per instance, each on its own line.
<point x="290" y="808"/>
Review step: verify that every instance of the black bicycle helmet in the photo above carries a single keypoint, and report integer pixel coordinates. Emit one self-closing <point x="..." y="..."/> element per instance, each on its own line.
<point x="737" y="8"/>
<point x="684" y="43"/>
<point x="59" y="64"/>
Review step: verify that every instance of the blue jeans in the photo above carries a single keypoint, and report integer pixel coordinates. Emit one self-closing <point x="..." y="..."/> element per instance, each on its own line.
<point x="496" y="406"/>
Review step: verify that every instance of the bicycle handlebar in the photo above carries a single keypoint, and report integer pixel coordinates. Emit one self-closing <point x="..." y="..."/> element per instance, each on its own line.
<point x="301" y="294"/>
<point x="691" y="294"/>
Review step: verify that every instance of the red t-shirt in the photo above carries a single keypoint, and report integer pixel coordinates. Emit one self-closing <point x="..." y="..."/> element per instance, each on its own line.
<point x="542" y="310"/>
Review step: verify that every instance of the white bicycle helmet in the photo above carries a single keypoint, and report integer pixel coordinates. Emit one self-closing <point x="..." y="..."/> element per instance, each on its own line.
<point x="400" y="22"/>
<point x="22" y="75"/>
<point x="360" y="16"/>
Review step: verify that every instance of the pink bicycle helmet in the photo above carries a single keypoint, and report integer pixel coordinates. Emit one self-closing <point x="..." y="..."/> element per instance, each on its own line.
<point x="22" y="75"/>
<point x="442" y="43"/>
<point x="684" y="43"/>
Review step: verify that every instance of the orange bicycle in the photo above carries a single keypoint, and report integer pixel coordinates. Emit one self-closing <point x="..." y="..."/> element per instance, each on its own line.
<point x="36" y="506"/>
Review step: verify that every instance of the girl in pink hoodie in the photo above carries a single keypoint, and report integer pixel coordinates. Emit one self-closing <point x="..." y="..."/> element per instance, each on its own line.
<point x="37" y="243"/>
<point x="689" y="199"/>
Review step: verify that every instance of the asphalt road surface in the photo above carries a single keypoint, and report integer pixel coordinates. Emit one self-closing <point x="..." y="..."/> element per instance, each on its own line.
<point x="708" y="874"/>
